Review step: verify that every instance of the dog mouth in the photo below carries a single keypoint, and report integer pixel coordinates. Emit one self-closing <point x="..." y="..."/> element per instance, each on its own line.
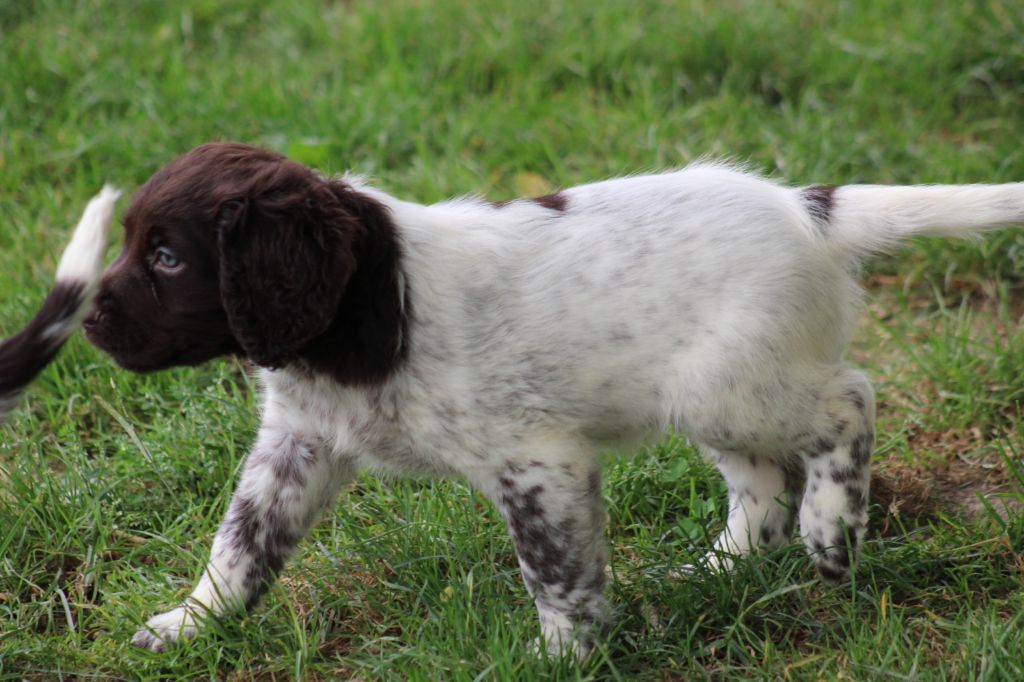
<point x="94" y="325"/>
<point x="92" y="321"/>
<point x="140" y="347"/>
<point x="131" y="359"/>
<point x="98" y="328"/>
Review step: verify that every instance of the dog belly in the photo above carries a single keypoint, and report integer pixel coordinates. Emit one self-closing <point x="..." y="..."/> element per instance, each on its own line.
<point x="742" y="377"/>
<point x="730" y="403"/>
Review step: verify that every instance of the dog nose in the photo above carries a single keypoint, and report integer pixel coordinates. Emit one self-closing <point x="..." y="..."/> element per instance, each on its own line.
<point x="99" y="310"/>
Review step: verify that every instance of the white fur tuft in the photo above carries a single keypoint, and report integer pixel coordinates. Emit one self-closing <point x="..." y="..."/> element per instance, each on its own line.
<point x="873" y="218"/>
<point x="83" y="258"/>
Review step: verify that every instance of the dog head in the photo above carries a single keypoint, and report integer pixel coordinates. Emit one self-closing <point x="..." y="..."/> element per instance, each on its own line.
<point x="232" y="249"/>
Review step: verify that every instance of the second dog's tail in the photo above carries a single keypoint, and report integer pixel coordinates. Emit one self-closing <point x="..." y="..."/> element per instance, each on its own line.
<point x="858" y="220"/>
<point x="25" y="354"/>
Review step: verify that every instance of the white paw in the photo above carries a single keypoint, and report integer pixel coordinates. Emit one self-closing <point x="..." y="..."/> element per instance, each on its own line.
<point x="571" y="647"/>
<point x="167" y="628"/>
<point x="683" y="572"/>
<point x="560" y="638"/>
<point x="712" y="562"/>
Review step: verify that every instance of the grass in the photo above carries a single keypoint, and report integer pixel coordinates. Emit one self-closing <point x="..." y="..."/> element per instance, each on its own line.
<point x="111" y="484"/>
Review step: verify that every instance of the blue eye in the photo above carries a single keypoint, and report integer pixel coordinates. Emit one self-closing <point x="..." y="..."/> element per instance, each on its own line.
<point x="165" y="258"/>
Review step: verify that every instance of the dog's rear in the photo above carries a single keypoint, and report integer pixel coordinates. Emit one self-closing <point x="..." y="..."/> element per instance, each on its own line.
<point x="24" y="355"/>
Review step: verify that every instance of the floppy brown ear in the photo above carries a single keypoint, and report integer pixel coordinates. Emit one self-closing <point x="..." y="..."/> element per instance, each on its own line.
<point x="285" y="259"/>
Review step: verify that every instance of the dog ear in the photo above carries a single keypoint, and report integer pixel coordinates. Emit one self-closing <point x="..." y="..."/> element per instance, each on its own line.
<point x="285" y="259"/>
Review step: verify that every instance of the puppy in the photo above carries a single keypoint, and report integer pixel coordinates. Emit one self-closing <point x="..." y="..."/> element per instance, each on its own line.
<point x="25" y="354"/>
<point x="508" y="344"/>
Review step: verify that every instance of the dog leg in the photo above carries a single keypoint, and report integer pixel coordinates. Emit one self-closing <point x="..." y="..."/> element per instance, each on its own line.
<point x="286" y="483"/>
<point x="762" y="497"/>
<point x="834" y="510"/>
<point x="556" y="517"/>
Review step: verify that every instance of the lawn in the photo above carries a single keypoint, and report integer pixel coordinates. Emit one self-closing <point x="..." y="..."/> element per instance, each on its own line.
<point x="112" y="484"/>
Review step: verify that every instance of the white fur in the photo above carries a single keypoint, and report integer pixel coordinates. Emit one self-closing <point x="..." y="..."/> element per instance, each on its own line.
<point x="707" y="300"/>
<point x="82" y="260"/>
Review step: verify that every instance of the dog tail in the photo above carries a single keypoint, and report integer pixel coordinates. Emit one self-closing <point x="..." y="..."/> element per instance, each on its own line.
<point x="859" y="220"/>
<point x="25" y="354"/>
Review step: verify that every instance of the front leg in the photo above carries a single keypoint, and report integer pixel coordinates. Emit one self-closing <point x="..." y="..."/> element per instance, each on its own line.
<point x="555" y="514"/>
<point x="287" y="481"/>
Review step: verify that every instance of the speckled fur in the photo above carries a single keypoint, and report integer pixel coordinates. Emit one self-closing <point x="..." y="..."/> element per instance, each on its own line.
<point x="539" y="333"/>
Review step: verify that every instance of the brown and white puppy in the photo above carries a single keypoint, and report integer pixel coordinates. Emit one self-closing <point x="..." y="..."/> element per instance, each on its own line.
<point x="509" y="344"/>
<point x="25" y="354"/>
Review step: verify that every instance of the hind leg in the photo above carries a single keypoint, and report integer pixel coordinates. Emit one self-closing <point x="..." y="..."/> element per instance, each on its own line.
<point x="833" y="513"/>
<point x="762" y="496"/>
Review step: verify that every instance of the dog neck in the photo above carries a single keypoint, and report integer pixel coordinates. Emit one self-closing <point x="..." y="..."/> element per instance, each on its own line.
<point x="368" y="339"/>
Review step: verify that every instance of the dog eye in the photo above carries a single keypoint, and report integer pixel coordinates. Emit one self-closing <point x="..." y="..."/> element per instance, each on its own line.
<point x="165" y="258"/>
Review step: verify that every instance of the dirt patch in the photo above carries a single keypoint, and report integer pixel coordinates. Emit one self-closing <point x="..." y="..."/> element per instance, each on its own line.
<point x="954" y="471"/>
<point x="949" y="468"/>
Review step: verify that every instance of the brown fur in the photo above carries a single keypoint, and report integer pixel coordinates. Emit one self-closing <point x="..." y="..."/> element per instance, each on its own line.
<point x="276" y="263"/>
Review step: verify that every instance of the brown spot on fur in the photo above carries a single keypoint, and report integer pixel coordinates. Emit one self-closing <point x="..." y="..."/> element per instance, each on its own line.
<point x="819" y="201"/>
<point x="555" y="202"/>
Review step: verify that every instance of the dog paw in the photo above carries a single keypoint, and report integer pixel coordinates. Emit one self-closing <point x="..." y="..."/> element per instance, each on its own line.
<point x="571" y="647"/>
<point x="833" y="565"/>
<point x="712" y="563"/>
<point x="834" y="562"/>
<point x="561" y="638"/>
<point x="682" y="572"/>
<point x="166" y="628"/>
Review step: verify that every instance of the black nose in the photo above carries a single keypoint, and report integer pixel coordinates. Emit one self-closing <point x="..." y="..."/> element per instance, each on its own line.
<point x="99" y="311"/>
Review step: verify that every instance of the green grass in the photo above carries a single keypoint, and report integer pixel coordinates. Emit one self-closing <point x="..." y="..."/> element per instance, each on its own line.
<point x="111" y="485"/>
